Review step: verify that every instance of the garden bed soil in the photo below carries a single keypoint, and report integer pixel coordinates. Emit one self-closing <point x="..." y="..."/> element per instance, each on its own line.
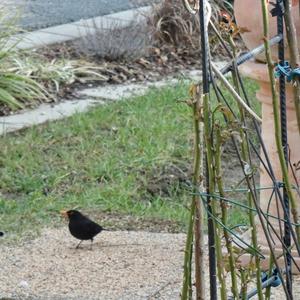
<point x="158" y="64"/>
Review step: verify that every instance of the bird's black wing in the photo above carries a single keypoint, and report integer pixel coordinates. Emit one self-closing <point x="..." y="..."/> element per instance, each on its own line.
<point x="91" y="227"/>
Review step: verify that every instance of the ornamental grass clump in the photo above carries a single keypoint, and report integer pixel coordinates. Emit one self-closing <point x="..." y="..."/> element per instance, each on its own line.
<point x="16" y="91"/>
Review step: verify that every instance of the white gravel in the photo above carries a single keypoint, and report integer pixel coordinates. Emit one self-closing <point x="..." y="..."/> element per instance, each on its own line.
<point x="121" y="265"/>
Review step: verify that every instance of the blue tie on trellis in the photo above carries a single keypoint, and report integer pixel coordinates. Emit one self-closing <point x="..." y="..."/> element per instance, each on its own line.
<point x="287" y="71"/>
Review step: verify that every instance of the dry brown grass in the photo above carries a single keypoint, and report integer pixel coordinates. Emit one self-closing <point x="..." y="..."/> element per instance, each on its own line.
<point x="171" y="24"/>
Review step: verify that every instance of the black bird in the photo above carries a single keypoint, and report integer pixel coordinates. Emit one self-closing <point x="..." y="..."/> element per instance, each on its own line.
<point x="81" y="227"/>
<point x="1" y="233"/>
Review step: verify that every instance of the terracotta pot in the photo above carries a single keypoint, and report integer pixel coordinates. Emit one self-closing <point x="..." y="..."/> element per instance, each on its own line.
<point x="248" y="15"/>
<point x="252" y="20"/>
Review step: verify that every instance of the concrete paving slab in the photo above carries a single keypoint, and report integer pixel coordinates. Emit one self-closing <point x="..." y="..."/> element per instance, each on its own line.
<point x="115" y="92"/>
<point x="44" y="113"/>
<point x="123" y="91"/>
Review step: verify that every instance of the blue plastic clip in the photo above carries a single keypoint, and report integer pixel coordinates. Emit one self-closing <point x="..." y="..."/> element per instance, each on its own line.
<point x="278" y="9"/>
<point x="264" y="276"/>
<point x="287" y="71"/>
<point x="276" y="282"/>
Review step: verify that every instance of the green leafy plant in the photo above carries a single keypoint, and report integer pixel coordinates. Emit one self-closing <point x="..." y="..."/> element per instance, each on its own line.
<point x="15" y="90"/>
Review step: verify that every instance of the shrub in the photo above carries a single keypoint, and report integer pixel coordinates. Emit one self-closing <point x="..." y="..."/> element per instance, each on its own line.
<point x="172" y="24"/>
<point x="115" y="42"/>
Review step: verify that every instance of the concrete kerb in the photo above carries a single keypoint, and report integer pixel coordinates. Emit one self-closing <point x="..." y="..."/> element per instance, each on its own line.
<point x="71" y="31"/>
<point x="44" y="113"/>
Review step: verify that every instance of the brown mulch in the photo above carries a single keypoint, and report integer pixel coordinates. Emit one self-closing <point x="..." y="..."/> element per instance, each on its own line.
<point x="160" y="62"/>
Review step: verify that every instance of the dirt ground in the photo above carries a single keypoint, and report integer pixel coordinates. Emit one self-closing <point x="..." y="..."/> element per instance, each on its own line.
<point x="122" y="265"/>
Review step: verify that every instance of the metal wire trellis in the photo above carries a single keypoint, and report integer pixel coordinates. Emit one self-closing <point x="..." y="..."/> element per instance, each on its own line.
<point x="286" y="237"/>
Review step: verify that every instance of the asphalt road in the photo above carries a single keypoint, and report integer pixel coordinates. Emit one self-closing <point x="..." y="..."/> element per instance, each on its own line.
<point x="44" y="13"/>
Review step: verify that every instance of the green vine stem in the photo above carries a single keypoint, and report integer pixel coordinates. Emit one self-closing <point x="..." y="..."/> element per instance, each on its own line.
<point x="294" y="54"/>
<point x="186" y="293"/>
<point x="224" y="205"/>
<point x="235" y="95"/>
<point x="244" y="284"/>
<point x="197" y="213"/>
<point x="198" y="185"/>
<point x="245" y="157"/>
<point x="209" y="156"/>
<point x="268" y="288"/>
<point x="275" y="103"/>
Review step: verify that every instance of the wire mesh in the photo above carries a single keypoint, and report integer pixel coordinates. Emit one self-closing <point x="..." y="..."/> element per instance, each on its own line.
<point x="278" y="230"/>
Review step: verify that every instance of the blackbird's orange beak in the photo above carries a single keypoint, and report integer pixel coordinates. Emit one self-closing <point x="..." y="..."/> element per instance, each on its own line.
<point x="64" y="213"/>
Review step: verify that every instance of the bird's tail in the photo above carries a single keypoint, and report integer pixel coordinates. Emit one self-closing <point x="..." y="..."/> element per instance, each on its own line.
<point x="106" y="229"/>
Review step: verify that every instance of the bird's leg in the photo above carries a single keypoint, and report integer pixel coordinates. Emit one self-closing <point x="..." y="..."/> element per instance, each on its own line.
<point x="78" y="244"/>
<point x="91" y="244"/>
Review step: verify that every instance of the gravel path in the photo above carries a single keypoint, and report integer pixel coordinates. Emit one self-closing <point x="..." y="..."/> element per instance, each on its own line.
<point x="121" y="265"/>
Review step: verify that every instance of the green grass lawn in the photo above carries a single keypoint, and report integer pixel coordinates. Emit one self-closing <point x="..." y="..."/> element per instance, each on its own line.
<point x="115" y="158"/>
